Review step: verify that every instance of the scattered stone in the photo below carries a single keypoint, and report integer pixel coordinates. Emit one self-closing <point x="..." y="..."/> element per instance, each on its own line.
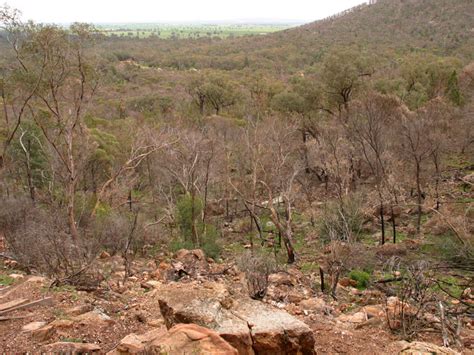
<point x="315" y="305"/>
<point x="43" y="333"/>
<point x="358" y="317"/>
<point x="131" y="344"/>
<point x="191" y="263"/>
<point x="70" y="348"/>
<point x="33" y="326"/>
<point x="421" y="348"/>
<point x="11" y="264"/>
<point x="78" y="310"/>
<point x="346" y="282"/>
<point x="281" y="278"/>
<point x="151" y="284"/>
<point x="36" y="279"/>
<point x="104" y="255"/>
<point x="95" y="317"/>
<point x="374" y="311"/>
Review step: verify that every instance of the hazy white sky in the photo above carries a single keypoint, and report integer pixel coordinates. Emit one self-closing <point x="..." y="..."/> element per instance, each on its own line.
<point x="61" y="11"/>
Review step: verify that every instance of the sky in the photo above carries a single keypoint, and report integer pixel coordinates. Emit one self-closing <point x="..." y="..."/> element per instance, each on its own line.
<point x="176" y="11"/>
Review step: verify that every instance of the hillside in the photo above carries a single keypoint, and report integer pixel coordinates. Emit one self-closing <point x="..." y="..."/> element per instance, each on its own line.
<point x="443" y="26"/>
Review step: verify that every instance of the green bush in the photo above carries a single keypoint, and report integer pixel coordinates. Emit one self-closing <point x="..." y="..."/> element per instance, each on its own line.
<point x="207" y="234"/>
<point x="361" y="277"/>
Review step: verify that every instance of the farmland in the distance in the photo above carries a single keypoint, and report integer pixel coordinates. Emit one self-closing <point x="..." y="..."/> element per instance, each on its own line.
<point x="144" y="30"/>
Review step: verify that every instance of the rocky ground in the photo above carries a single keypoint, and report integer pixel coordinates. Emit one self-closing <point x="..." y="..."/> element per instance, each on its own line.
<point x="146" y="314"/>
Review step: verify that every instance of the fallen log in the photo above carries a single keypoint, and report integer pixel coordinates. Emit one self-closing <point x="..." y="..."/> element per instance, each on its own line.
<point x="44" y="301"/>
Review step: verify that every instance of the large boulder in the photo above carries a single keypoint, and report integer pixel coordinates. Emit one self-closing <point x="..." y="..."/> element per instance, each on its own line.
<point x="422" y="348"/>
<point x="190" y="339"/>
<point x="180" y="339"/>
<point x="248" y="325"/>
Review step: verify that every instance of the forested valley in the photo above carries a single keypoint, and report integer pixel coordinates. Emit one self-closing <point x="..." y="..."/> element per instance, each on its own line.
<point x="305" y="191"/>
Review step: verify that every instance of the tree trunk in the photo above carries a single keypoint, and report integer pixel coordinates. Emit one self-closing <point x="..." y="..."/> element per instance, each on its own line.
<point x="321" y="276"/>
<point x="394" y="225"/>
<point x="419" y="198"/>
<point x="71" y="212"/>
<point x="71" y="189"/>
<point x="382" y="223"/>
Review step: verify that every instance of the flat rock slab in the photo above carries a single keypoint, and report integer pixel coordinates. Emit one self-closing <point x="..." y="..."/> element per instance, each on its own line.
<point x="12" y="304"/>
<point x="33" y="326"/>
<point x="248" y="325"/>
<point x="71" y="348"/>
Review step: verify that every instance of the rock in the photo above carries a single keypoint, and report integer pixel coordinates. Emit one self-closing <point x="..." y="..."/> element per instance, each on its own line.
<point x="421" y="348"/>
<point x="395" y="307"/>
<point x="281" y="278"/>
<point x="314" y="304"/>
<point x="191" y="339"/>
<point x="346" y="282"/>
<point x="33" y="326"/>
<point x="78" y="310"/>
<point x="104" y="255"/>
<point x="188" y="262"/>
<point x="43" y="333"/>
<point x="151" y="284"/>
<point x="17" y="276"/>
<point x="131" y="344"/>
<point x="249" y="326"/>
<point x="70" y="348"/>
<point x="46" y="332"/>
<point x="11" y="264"/>
<point x="95" y="317"/>
<point x="358" y="317"/>
<point x="295" y="297"/>
<point x="374" y="311"/>
<point x="36" y="279"/>
<point x="60" y="324"/>
<point x="181" y="339"/>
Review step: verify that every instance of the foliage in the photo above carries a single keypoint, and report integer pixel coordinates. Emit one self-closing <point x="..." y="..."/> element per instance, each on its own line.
<point x="188" y="212"/>
<point x="361" y="277"/>
<point x="6" y="280"/>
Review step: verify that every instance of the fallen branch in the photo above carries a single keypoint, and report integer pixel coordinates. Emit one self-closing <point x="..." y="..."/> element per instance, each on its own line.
<point x="386" y="281"/>
<point x="43" y="301"/>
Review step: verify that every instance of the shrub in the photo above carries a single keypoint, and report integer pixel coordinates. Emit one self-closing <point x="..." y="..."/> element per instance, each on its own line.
<point x="206" y="234"/>
<point x="257" y="268"/>
<point x="6" y="280"/>
<point x="39" y="240"/>
<point x="361" y="277"/>
<point x="341" y="221"/>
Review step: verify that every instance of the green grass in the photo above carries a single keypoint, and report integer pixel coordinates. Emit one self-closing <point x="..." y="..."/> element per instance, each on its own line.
<point x="64" y="288"/>
<point x="72" y="340"/>
<point x="451" y="285"/>
<point x="309" y="267"/>
<point x="166" y="31"/>
<point x="6" y="280"/>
